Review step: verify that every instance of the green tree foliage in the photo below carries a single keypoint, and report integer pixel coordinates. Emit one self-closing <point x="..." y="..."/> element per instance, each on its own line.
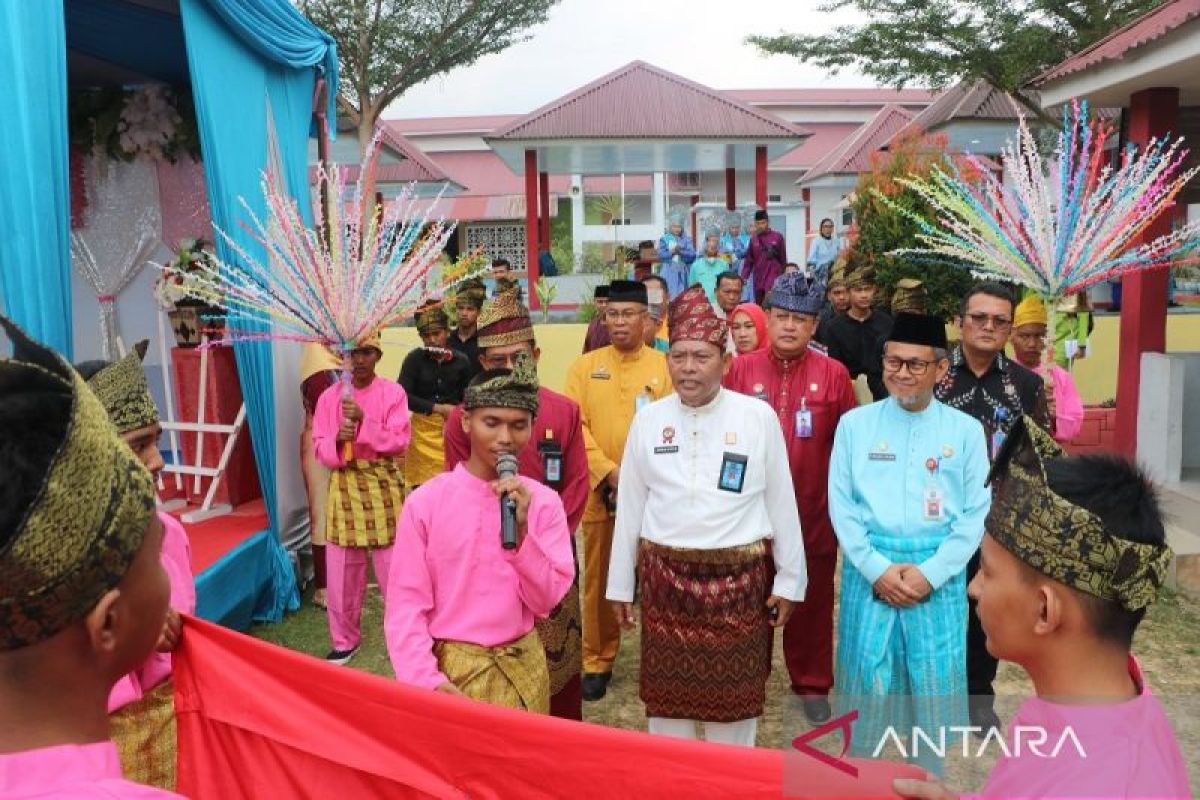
<point x="940" y="42"/>
<point x="882" y="228"/>
<point x="386" y="47"/>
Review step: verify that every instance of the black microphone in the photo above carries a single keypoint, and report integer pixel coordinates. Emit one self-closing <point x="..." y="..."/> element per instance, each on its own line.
<point x="506" y="466"/>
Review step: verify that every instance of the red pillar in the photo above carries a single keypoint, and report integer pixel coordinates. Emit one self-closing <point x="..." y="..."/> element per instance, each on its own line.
<point x="531" y="223"/>
<point x="695" y="233"/>
<point x="1152" y="113"/>
<point x="730" y="188"/>
<point x="760" y="176"/>
<point x="543" y="211"/>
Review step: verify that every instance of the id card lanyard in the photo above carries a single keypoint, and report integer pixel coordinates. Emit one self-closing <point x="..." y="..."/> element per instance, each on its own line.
<point x="643" y="399"/>
<point x="932" y="499"/>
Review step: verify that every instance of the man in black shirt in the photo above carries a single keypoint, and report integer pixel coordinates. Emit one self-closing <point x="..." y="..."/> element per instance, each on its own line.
<point x="465" y="338"/>
<point x="984" y="383"/>
<point x="855" y="338"/>
<point x="434" y="377"/>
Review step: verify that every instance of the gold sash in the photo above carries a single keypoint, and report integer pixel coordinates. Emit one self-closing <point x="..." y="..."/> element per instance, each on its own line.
<point x="512" y="675"/>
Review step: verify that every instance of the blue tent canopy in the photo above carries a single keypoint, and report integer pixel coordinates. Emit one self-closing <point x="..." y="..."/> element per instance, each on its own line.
<point x="252" y="66"/>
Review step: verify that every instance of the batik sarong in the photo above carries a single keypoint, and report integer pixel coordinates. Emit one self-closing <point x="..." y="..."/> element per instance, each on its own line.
<point x="364" y="503"/>
<point x="706" y="635"/>
<point x="902" y="667"/>
<point x="561" y="635"/>
<point x="512" y="675"/>
<point x="145" y="735"/>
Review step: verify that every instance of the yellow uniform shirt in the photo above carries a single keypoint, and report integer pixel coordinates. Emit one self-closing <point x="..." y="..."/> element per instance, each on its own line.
<point x="606" y="384"/>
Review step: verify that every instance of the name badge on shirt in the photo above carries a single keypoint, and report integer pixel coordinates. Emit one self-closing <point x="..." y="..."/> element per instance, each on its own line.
<point x="668" y="445"/>
<point x="804" y="424"/>
<point x="932" y="503"/>
<point x="880" y="455"/>
<point x="552" y="462"/>
<point x="733" y="473"/>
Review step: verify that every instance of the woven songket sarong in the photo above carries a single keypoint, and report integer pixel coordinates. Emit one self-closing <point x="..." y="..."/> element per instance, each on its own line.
<point x="512" y="675"/>
<point x="561" y="635"/>
<point x="902" y="667"/>
<point x="364" y="503"/>
<point x="145" y="735"/>
<point x="706" y="639"/>
<point x="426" y="453"/>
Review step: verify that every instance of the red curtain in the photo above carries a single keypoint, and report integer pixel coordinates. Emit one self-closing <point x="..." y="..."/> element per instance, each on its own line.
<point x="257" y="720"/>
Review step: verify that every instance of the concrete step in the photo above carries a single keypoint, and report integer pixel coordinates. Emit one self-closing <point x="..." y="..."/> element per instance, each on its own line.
<point x="1183" y="535"/>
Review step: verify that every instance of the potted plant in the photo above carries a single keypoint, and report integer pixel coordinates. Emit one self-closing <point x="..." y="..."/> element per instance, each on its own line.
<point x="191" y="318"/>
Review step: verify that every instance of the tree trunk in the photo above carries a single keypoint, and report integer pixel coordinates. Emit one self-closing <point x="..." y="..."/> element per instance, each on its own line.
<point x="366" y="128"/>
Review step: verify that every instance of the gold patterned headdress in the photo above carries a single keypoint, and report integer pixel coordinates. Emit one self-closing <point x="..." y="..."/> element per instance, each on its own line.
<point x="122" y="388"/>
<point x="88" y="518"/>
<point x="1058" y="538"/>
<point x="504" y="388"/>
<point x="504" y="321"/>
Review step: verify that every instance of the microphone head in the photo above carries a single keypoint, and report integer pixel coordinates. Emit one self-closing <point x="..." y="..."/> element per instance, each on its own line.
<point x="506" y="465"/>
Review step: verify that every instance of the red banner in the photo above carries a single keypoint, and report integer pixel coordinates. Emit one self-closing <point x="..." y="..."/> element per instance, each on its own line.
<point x="261" y="721"/>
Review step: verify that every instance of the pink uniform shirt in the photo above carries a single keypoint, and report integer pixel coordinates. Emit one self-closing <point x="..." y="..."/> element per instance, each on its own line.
<point x="1068" y="405"/>
<point x="177" y="563"/>
<point x="451" y="579"/>
<point x="70" y="772"/>
<point x="1125" y="750"/>
<point x="385" y="428"/>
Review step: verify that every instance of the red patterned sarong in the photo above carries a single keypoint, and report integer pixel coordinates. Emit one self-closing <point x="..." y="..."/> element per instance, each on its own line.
<point x="706" y="638"/>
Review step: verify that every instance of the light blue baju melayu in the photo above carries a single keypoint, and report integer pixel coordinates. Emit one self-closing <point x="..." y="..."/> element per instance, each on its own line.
<point x="879" y="483"/>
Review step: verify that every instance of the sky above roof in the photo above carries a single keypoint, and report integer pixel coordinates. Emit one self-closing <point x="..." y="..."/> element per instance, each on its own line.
<point x="583" y="39"/>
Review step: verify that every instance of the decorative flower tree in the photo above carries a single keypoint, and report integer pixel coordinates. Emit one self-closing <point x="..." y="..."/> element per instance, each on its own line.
<point x="1061" y="229"/>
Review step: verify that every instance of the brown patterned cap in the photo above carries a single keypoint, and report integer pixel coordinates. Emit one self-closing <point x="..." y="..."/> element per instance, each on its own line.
<point x="122" y="388"/>
<point x="505" y="388"/>
<point x="504" y="321"/>
<point x="692" y="318"/>
<point x="87" y="520"/>
<point x="1060" y="539"/>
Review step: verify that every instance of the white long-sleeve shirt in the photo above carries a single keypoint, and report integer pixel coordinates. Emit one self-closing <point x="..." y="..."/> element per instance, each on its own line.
<point x="669" y="491"/>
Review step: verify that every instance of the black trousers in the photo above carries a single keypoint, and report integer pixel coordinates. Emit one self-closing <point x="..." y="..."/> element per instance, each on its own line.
<point x="981" y="665"/>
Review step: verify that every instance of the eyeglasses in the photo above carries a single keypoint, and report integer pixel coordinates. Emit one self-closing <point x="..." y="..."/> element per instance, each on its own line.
<point x="981" y="320"/>
<point x="916" y="366"/>
<point x="626" y="315"/>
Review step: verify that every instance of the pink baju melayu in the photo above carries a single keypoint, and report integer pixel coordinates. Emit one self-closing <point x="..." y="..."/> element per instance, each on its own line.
<point x="365" y="496"/>
<point x="70" y="772"/>
<point x="1125" y="750"/>
<point x="1068" y="405"/>
<point x="452" y="581"/>
<point x="177" y="563"/>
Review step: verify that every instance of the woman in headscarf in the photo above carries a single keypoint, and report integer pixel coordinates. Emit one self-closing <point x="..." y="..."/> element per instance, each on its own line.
<point x="748" y="325"/>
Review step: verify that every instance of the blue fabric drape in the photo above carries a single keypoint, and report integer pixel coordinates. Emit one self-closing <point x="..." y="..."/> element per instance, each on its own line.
<point x="253" y="67"/>
<point x="35" y="256"/>
<point x="282" y="35"/>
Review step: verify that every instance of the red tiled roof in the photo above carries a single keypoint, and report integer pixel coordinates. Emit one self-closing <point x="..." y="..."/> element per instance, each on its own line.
<point x="979" y="101"/>
<point x="1143" y="30"/>
<point x="641" y="101"/>
<point x="830" y="95"/>
<point x="854" y="155"/>
<point x="485" y="123"/>
<point x="826" y="137"/>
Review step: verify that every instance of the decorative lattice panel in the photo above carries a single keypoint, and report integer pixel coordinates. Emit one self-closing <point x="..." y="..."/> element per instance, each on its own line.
<point x="499" y="241"/>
